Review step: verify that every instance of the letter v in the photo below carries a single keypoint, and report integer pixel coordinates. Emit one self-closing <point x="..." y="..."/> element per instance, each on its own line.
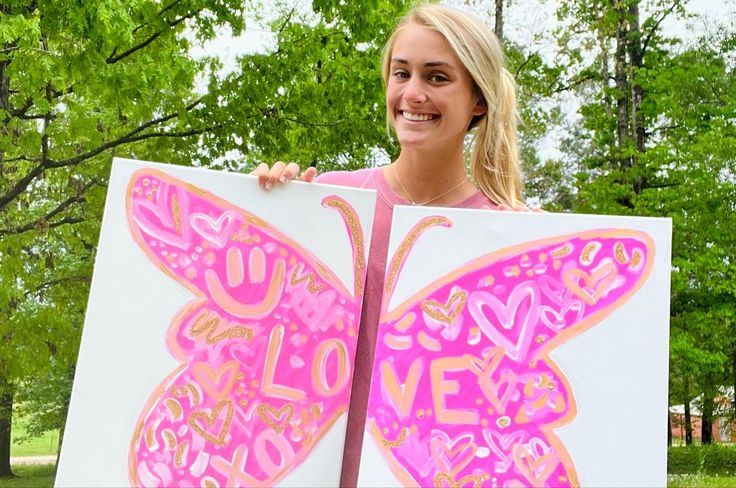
<point x="401" y="398"/>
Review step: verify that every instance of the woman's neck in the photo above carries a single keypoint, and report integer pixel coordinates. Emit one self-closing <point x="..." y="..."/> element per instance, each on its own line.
<point x="436" y="178"/>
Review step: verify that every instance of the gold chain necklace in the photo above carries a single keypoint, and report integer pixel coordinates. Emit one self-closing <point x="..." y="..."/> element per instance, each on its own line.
<point x="413" y="202"/>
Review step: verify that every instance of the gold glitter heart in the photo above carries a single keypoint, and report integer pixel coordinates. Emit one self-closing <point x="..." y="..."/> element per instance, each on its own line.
<point x="276" y="419"/>
<point x="209" y="420"/>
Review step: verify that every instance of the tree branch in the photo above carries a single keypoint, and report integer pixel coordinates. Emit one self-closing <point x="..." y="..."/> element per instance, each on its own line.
<point x="78" y="198"/>
<point x="112" y="59"/>
<point x="49" y="284"/>
<point x="46" y="163"/>
<point x="649" y="36"/>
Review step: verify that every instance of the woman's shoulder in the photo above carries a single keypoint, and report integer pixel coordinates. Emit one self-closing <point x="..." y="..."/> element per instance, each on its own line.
<point x="361" y="178"/>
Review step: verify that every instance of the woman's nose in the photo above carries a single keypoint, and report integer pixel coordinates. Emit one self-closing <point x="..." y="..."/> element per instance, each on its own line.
<point x="415" y="90"/>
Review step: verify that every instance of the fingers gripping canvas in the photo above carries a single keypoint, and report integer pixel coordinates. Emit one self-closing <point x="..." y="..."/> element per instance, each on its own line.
<point x="264" y="349"/>
<point x="464" y="389"/>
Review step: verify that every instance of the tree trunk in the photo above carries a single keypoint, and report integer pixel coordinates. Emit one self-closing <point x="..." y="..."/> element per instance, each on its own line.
<point x="499" y="20"/>
<point x="6" y="422"/>
<point x="706" y="428"/>
<point x="636" y="62"/>
<point x="688" y="421"/>
<point x="669" y="428"/>
<point x="622" y="88"/>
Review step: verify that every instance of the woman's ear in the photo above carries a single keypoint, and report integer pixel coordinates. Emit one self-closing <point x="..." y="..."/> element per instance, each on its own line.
<point x="480" y="107"/>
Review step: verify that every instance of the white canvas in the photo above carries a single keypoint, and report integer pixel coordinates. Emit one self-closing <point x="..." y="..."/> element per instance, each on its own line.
<point x="615" y="368"/>
<point x="126" y="367"/>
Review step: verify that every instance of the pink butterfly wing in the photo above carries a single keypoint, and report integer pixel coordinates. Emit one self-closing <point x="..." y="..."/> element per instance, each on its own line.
<point x="267" y="344"/>
<point x="463" y="368"/>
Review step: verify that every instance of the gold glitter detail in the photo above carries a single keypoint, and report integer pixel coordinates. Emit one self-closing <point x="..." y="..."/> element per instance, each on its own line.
<point x="420" y="414"/>
<point x="618" y="252"/>
<point x="254" y="383"/>
<point x="540" y="339"/>
<point x="176" y="213"/>
<point x="356" y="232"/>
<point x="309" y="278"/>
<point x="542" y="257"/>
<point x="209" y="419"/>
<point x="209" y="484"/>
<point x="430" y="307"/>
<point x="532" y="364"/>
<point x="169" y="438"/>
<point x="184" y="390"/>
<point x="146" y="182"/>
<point x="551" y="387"/>
<point x="255" y="221"/>
<point x="208" y="321"/>
<point x="556" y="264"/>
<point x="587" y="251"/>
<point x="442" y="479"/>
<point x="316" y="412"/>
<point x="179" y="454"/>
<point x="195" y="394"/>
<point x="243" y="402"/>
<point x="398" y="442"/>
<point x="635" y="259"/>
<point x="529" y="273"/>
<point x="150" y="437"/>
<point x="563" y="251"/>
<point x="407" y="243"/>
<point x="269" y="415"/>
<point x="562" y="479"/>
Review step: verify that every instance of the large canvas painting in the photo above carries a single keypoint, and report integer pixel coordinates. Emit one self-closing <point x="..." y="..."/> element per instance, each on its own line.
<point x="520" y="349"/>
<point x="220" y="333"/>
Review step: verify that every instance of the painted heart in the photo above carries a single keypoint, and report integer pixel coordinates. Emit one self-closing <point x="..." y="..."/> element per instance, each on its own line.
<point x="276" y="419"/>
<point x="452" y="455"/>
<point x="318" y="313"/>
<point x="214" y="230"/>
<point x="536" y="461"/>
<point x="558" y="319"/>
<point x="518" y="316"/>
<point x="502" y="446"/>
<point x="216" y="382"/>
<point x="595" y="285"/>
<point x="486" y="406"/>
<point x="260" y="381"/>
<point x="213" y="426"/>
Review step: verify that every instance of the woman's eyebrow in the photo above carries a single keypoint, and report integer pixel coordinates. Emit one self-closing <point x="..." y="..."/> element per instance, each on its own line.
<point x="428" y="64"/>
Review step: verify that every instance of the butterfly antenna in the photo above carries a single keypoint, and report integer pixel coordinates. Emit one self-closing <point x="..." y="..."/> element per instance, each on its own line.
<point x="401" y="254"/>
<point x="355" y="233"/>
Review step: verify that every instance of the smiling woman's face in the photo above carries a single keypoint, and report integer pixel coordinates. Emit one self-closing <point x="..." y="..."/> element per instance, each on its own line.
<point x="429" y="94"/>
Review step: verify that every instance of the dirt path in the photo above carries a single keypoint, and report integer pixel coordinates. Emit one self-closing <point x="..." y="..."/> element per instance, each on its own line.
<point x="33" y="460"/>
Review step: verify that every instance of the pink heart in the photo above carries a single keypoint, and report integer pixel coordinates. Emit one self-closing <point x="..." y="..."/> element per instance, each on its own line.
<point x="502" y="446"/>
<point x="557" y="320"/>
<point x="317" y="313"/>
<point x="214" y="231"/>
<point x="506" y="317"/>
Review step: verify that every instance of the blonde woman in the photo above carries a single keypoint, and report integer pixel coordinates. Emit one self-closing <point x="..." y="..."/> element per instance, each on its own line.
<point x="444" y="75"/>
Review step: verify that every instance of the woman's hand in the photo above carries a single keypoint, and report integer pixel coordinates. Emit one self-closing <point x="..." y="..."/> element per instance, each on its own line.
<point x="281" y="173"/>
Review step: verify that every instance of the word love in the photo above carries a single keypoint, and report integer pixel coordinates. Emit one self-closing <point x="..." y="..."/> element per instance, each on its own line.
<point x="464" y="392"/>
<point x="265" y="346"/>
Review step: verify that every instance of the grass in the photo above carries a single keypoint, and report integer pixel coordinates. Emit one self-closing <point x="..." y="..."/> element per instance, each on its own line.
<point x="42" y="476"/>
<point x="43" y="445"/>
<point x="700" y="481"/>
<point x="30" y="476"/>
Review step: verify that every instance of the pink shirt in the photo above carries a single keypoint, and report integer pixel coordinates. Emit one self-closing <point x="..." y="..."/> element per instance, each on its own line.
<point x="372" y="179"/>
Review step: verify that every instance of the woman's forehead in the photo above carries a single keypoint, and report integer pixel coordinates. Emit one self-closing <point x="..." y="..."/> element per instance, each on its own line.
<point x="416" y="43"/>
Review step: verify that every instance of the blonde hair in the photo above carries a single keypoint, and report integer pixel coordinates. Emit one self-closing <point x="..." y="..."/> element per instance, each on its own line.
<point x="494" y="160"/>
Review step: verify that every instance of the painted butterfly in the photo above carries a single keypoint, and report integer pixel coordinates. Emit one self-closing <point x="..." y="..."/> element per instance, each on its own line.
<point x="464" y="392"/>
<point x="266" y="346"/>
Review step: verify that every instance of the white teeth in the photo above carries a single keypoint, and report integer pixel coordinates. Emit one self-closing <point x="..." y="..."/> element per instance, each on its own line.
<point x="417" y="117"/>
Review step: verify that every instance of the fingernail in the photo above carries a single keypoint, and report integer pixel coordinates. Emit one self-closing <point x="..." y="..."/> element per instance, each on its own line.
<point x="282" y="178"/>
<point x="269" y="185"/>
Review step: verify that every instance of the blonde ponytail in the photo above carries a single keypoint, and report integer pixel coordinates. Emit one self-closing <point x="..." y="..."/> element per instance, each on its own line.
<point x="494" y="161"/>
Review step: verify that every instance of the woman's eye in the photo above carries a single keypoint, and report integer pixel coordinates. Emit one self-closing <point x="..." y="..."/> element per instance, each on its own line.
<point x="438" y="78"/>
<point x="401" y="74"/>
